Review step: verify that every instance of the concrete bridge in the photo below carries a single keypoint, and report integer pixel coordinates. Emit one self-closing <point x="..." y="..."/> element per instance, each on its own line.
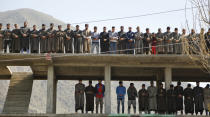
<point x="107" y="67"/>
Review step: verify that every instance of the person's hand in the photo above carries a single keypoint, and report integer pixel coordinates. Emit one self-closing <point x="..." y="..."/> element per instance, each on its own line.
<point x="1" y="35"/>
<point x="68" y="38"/>
<point x="43" y="37"/>
<point x="121" y="39"/>
<point x="24" y="35"/>
<point x="16" y="36"/>
<point x="105" y="39"/>
<point x="148" y="39"/>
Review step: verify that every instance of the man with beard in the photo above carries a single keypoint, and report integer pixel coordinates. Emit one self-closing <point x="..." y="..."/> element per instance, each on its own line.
<point x="43" y="39"/>
<point x="122" y="40"/>
<point x="192" y="40"/>
<point x="89" y="94"/>
<point x="152" y="90"/>
<point x="16" y="39"/>
<point x="104" y="41"/>
<point x="68" y="39"/>
<point x="198" y="98"/>
<point x="1" y="38"/>
<point x="25" y="31"/>
<point x="113" y="38"/>
<point x="130" y="41"/>
<point x="179" y="97"/>
<point x="161" y="99"/>
<point x="168" y="45"/>
<point x="79" y="96"/>
<point x="147" y="41"/>
<point x="34" y="40"/>
<point x="160" y="42"/>
<point x="87" y="39"/>
<point x="143" y="99"/>
<point x="188" y="100"/>
<point x="59" y="36"/>
<point x="7" y="39"/>
<point x="78" y="41"/>
<point x="132" y="94"/>
<point x="176" y="42"/>
<point x="171" y="100"/>
<point x="51" y="41"/>
<point x="139" y="41"/>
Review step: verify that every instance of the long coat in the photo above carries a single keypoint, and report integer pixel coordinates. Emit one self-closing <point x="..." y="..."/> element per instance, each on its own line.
<point x="152" y="90"/>
<point x="79" y="96"/>
<point x="34" y="40"/>
<point x="188" y="100"/>
<point x="78" y="41"/>
<point x="198" y="98"/>
<point x="160" y="43"/>
<point x="139" y="45"/>
<point x="51" y="41"/>
<point x="179" y="97"/>
<point x="168" y="44"/>
<point x="171" y="100"/>
<point x="161" y="100"/>
<point x="1" y="40"/>
<point x="206" y="92"/>
<point x="69" y="40"/>
<point x="143" y="100"/>
<point x="177" y="43"/>
<point x="43" y="40"/>
<point x="16" y="40"/>
<point x="59" y="44"/>
<point x="89" y="94"/>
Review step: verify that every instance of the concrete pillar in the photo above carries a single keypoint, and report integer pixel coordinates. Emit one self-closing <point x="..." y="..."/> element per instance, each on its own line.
<point x="51" y="90"/>
<point x="107" y="78"/>
<point x="168" y="77"/>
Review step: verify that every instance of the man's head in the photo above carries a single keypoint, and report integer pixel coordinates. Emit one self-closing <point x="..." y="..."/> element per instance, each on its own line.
<point x="131" y="85"/>
<point x="86" y="26"/>
<point x="188" y="85"/>
<point x="90" y="82"/>
<point x="25" y="24"/>
<point x="16" y="26"/>
<point x="8" y="26"/>
<point x="161" y="85"/>
<point x="130" y="29"/>
<point x="80" y="81"/>
<point x="51" y="25"/>
<point x="104" y="29"/>
<point x="178" y="83"/>
<point x="171" y="86"/>
<point x="99" y="81"/>
<point x="0" y="25"/>
<point x="95" y="29"/>
<point x="147" y="30"/>
<point x="159" y="30"/>
<point x="120" y="83"/>
<point x="143" y="86"/>
<point x="68" y="26"/>
<point x="138" y="29"/>
<point x="34" y="27"/>
<point x="151" y="83"/>
<point x="77" y="27"/>
<point x="192" y="31"/>
<point x="176" y="30"/>
<point x="113" y="29"/>
<point x="197" y="83"/>
<point x="43" y="26"/>
<point x="168" y="29"/>
<point x="207" y="86"/>
<point x="184" y="31"/>
<point x="121" y="28"/>
<point x="59" y="27"/>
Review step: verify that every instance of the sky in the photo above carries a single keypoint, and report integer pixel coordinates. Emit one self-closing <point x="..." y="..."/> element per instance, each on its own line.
<point x="74" y="11"/>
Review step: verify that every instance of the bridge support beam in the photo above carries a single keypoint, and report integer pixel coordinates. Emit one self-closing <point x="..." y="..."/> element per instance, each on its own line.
<point x="107" y="78"/>
<point x="168" y="77"/>
<point x="51" y="90"/>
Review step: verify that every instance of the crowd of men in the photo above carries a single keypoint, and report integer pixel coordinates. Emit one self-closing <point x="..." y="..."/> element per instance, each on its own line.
<point x="157" y="99"/>
<point x="87" y="41"/>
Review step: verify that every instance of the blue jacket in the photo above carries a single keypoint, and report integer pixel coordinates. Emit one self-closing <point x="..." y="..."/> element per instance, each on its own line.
<point x="121" y="91"/>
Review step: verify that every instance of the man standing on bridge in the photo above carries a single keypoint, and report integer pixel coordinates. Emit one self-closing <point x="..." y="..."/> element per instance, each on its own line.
<point x="25" y="37"/>
<point x="89" y="94"/>
<point x="1" y="38"/>
<point x="79" y="96"/>
<point x="100" y="89"/>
